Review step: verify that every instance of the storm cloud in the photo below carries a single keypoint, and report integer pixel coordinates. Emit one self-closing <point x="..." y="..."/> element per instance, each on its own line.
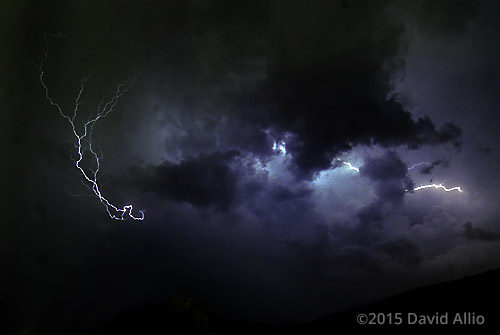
<point x="474" y="233"/>
<point x="389" y="173"/>
<point x="202" y="181"/>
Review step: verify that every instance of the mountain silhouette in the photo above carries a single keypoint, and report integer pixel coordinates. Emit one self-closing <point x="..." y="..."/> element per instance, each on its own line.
<point x="470" y="304"/>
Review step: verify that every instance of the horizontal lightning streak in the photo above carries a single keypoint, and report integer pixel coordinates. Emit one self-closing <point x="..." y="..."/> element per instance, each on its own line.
<point x="418" y="164"/>
<point x="437" y="186"/>
<point x="441" y="186"/>
<point x="103" y="109"/>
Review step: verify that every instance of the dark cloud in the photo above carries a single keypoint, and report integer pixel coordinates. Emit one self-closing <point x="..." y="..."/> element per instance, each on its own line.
<point x="444" y="18"/>
<point x="402" y="250"/>
<point x="371" y="216"/>
<point x="392" y="191"/>
<point x="307" y="69"/>
<point x="331" y="106"/>
<point x="366" y="226"/>
<point x="281" y="193"/>
<point x="206" y="180"/>
<point x="331" y="93"/>
<point x="415" y="216"/>
<point x="389" y="173"/>
<point x="474" y="233"/>
<point x="427" y="169"/>
<point x="483" y="148"/>
<point x="387" y="167"/>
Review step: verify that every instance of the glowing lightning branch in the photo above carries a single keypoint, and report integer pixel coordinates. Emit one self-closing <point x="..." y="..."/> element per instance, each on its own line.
<point x="457" y="188"/>
<point x="418" y="164"/>
<point x="437" y="186"/>
<point x="103" y="109"/>
<point x="349" y="165"/>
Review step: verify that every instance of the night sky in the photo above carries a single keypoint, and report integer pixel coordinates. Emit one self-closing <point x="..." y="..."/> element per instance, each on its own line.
<point x="234" y="139"/>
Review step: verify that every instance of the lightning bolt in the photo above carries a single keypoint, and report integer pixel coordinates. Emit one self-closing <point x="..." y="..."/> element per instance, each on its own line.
<point x="418" y="164"/>
<point x="437" y="186"/>
<point x="351" y="167"/>
<point x="85" y="137"/>
<point x="456" y="188"/>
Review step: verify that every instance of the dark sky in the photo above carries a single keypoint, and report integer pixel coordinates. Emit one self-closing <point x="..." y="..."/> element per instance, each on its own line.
<point x="277" y="235"/>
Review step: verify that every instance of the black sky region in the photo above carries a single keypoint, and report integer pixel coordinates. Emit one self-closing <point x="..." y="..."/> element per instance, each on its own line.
<point x="251" y="231"/>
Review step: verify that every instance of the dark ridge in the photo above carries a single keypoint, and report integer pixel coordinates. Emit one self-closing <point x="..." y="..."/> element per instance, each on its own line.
<point x="477" y="296"/>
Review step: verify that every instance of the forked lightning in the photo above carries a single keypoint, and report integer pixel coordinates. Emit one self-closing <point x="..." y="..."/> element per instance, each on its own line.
<point x="85" y="136"/>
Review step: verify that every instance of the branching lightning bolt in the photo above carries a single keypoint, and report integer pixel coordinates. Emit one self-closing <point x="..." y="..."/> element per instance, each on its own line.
<point x="437" y="186"/>
<point x="103" y="109"/>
